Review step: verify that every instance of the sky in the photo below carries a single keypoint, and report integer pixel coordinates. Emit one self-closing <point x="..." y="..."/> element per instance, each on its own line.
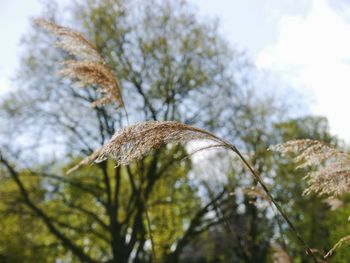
<point x="14" y="15"/>
<point x="304" y="42"/>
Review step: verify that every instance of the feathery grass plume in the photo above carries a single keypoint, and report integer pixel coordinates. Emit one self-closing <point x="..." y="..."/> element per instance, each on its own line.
<point x="90" y="68"/>
<point x="332" y="174"/>
<point x="71" y="41"/>
<point x="88" y="73"/>
<point x="341" y="242"/>
<point x="137" y="140"/>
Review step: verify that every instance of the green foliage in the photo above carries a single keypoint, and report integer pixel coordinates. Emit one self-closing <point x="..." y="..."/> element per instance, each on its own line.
<point x="311" y="215"/>
<point x="338" y="226"/>
<point x="23" y="239"/>
<point x="172" y="66"/>
<point x="172" y="206"/>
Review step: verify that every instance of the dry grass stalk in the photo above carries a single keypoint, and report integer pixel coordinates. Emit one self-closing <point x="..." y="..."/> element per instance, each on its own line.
<point x="341" y="242"/>
<point x="136" y="141"/>
<point x="90" y="69"/>
<point x="332" y="174"/>
<point x="87" y="160"/>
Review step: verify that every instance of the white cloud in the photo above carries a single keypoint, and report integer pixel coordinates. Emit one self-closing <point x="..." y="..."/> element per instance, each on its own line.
<point x="313" y="51"/>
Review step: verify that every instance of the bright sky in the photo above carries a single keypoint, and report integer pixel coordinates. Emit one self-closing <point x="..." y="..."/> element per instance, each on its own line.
<point x="14" y="21"/>
<point x="304" y="42"/>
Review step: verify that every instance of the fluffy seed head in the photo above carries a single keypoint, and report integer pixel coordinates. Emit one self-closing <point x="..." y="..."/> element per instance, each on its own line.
<point x="136" y="141"/>
<point x="88" y="73"/>
<point x="331" y="174"/>
<point x="71" y="41"/>
<point x="90" y="68"/>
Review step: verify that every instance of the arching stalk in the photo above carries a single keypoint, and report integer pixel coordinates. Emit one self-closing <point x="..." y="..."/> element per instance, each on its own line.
<point x="279" y="208"/>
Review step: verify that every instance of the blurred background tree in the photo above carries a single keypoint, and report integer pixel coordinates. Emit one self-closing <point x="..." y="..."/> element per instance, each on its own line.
<point x="172" y="65"/>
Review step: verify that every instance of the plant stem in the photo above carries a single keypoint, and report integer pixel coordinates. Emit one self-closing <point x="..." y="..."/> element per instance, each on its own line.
<point x="279" y="208"/>
<point x="150" y="234"/>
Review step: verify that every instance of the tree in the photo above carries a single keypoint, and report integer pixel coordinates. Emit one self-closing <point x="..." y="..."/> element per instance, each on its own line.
<point x="172" y="66"/>
<point x="313" y="214"/>
<point x="314" y="218"/>
<point x="167" y="62"/>
<point x="21" y="238"/>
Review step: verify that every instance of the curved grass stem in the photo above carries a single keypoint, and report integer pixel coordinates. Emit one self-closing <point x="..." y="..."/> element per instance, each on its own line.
<point x="279" y="208"/>
<point x="150" y="234"/>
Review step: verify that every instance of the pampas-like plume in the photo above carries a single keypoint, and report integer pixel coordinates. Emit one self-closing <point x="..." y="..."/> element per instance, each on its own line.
<point x="87" y="73"/>
<point x="332" y="174"/>
<point x="87" y="160"/>
<point x="71" y="41"/>
<point x="90" y="69"/>
<point x="136" y="141"/>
